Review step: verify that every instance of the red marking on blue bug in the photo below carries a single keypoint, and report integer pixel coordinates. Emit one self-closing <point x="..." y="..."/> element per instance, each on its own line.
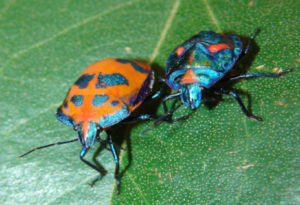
<point x="179" y="50"/>
<point x="189" y="77"/>
<point x="218" y="47"/>
<point x="105" y="94"/>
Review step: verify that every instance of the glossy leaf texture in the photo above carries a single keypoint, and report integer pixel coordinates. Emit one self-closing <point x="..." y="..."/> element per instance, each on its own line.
<point x="218" y="156"/>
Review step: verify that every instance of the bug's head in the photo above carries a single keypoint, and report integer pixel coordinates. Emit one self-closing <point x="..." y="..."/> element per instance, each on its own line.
<point x="191" y="95"/>
<point x="87" y="133"/>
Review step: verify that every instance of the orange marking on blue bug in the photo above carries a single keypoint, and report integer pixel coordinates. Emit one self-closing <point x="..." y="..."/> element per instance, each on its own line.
<point x="217" y="47"/>
<point x="189" y="77"/>
<point x="179" y="51"/>
<point x="190" y="59"/>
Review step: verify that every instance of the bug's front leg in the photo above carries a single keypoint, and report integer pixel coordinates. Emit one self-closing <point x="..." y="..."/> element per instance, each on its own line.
<point x="82" y="154"/>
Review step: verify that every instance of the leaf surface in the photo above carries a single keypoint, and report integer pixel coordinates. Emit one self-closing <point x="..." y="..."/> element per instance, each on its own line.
<point x="217" y="156"/>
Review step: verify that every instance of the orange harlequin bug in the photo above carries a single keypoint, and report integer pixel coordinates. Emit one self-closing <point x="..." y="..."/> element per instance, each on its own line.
<point x="105" y="94"/>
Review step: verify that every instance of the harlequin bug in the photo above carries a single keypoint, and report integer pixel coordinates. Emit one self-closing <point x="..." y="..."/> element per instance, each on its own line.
<point x="105" y="94"/>
<point x="199" y="64"/>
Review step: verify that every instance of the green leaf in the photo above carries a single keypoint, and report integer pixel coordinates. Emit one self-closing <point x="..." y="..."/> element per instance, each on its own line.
<point x="217" y="156"/>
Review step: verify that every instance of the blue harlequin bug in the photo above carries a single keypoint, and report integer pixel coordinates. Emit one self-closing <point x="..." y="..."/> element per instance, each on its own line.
<point x="199" y="63"/>
<point x="106" y="93"/>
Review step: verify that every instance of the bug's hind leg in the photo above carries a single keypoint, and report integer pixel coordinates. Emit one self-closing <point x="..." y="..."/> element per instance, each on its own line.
<point x="241" y="104"/>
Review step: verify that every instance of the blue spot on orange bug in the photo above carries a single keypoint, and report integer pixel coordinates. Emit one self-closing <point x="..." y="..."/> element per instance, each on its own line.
<point x="111" y="80"/>
<point x="84" y="80"/>
<point x="134" y="65"/>
<point x="114" y="103"/>
<point x="77" y="100"/>
<point x="98" y="100"/>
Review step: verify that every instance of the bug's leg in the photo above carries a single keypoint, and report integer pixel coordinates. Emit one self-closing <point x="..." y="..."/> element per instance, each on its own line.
<point x="139" y="118"/>
<point x="48" y="145"/>
<point x="82" y="154"/>
<point x="156" y="95"/>
<point x="169" y="97"/>
<point x="168" y="113"/>
<point x="167" y="117"/>
<point x="159" y="93"/>
<point x="238" y="99"/>
<point x="116" y="158"/>
<point x="253" y="75"/>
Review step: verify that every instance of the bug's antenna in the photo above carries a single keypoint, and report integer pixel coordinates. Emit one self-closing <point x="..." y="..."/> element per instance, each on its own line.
<point x="48" y="145"/>
<point x="250" y="43"/>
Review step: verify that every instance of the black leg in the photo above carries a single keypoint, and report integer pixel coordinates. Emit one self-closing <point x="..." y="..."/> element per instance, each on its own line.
<point x="165" y="118"/>
<point x="153" y="117"/>
<point x="169" y="97"/>
<point x="168" y="113"/>
<point x="168" y="116"/>
<point x="139" y="118"/>
<point x="48" y="145"/>
<point x="238" y="99"/>
<point x="252" y="75"/>
<point x="82" y="154"/>
<point x="159" y="93"/>
<point x="115" y="155"/>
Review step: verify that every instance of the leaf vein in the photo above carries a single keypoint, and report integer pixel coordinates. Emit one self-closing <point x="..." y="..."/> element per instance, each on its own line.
<point x="64" y="31"/>
<point x="212" y="15"/>
<point x="165" y="30"/>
